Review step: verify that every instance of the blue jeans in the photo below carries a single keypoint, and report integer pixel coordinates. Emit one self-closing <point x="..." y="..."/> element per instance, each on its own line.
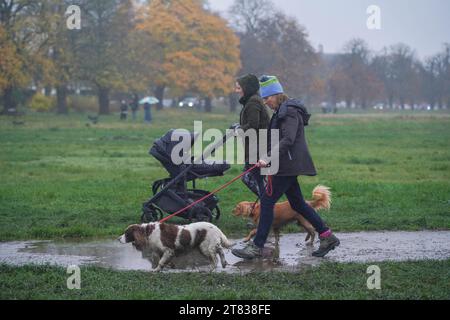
<point x="147" y="115"/>
<point x="290" y="187"/>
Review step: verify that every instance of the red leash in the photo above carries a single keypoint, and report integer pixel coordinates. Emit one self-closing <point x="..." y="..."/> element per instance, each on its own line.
<point x="208" y="195"/>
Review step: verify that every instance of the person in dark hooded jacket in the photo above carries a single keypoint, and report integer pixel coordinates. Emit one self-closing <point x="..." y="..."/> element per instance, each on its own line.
<point x="290" y="117"/>
<point x="254" y="115"/>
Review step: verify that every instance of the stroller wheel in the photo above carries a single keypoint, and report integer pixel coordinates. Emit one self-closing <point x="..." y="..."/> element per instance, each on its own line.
<point x="202" y="213"/>
<point x="149" y="214"/>
<point x="215" y="213"/>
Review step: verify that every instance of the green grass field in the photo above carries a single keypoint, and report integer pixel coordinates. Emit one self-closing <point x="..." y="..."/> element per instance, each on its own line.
<point x="329" y="281"/>
<point x="62" y="178"/>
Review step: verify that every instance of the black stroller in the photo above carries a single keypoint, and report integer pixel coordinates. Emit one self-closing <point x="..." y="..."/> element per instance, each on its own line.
<point x="172" y="194"/>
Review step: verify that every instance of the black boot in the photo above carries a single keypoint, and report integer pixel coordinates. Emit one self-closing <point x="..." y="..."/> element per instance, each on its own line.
<point x="326" y="244"/>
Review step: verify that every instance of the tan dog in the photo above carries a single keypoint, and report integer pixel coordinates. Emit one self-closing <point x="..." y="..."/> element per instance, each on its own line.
<point x="284" y="214"/>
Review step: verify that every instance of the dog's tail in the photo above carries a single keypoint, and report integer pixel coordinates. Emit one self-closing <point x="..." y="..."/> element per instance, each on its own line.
<point x="321" y="198"/>
<point x="224" y="240"/>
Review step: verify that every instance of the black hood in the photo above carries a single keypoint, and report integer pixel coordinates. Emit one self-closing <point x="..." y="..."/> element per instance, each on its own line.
<point x="298" y="104"/>
<point x="250" y="85"/>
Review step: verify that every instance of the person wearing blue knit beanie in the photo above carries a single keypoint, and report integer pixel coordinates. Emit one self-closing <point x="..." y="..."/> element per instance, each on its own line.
<point x="290" y="117"/>
<point x="270" y="86"/>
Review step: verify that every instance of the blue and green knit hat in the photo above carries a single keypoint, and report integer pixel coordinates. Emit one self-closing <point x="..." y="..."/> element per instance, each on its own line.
<point x="270" y="86"/>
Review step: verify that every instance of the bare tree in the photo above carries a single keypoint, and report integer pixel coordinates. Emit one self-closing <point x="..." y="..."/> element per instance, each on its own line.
<point x="274" y="43"/>
<point x="248" y="16"/>
<point x="403" y="60"/>
<point x="382" y="66"/>
<point x="445" y="73"/>
<point x="289" y="54"/>
<point x="356" y="63"/>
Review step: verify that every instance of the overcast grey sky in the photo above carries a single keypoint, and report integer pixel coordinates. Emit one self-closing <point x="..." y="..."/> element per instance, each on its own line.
<point x="422" y="24"/>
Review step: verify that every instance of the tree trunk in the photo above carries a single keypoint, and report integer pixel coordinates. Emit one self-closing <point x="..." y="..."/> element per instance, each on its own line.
<point x="402" y="103"/>
<point x="391" y="101"/>
<point x="333" y="99"/>
<point x="364" y="104"/>
<point x="103" y="100"/>
<point x="432" y="102"/>
<point x="174" y="103"/>
<point x="47" y="91"/>
<point x="61" y="100"/>
<point x="159" y="93"/>
<point x="348" y="102"/>
<point x="208" y="104"/>
<point x="9" y="103"/>
<point x="232" y="100"/>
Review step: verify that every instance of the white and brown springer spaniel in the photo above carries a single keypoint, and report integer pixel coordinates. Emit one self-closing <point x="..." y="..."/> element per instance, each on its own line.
<point x="167" y="239"/>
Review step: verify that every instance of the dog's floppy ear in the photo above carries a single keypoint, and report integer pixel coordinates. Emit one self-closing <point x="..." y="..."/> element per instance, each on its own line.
<point x="237" y="211"/>
<point x="253" y="210"/>
<point x="129" y="233"/>
<point x="137" y="235"/>
<point x="246" y="208"/>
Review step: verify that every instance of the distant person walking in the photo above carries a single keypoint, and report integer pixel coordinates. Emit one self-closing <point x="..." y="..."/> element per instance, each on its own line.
<point x="123" y="110"/>
<point x="134" y="107"/>
<point x="147" y="113"/>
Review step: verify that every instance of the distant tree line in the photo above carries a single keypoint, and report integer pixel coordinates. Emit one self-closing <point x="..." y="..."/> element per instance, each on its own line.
<point x="123" y="46"/>
<point x="181" y="46"/>
<point x="272" y="42"/>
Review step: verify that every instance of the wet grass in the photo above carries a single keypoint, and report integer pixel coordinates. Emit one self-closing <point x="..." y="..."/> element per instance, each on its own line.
<point x="62" y="177"/>
<point x="400" y="280"/>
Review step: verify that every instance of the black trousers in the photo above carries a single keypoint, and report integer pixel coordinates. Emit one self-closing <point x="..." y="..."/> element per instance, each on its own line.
<point x="291" y="188"/>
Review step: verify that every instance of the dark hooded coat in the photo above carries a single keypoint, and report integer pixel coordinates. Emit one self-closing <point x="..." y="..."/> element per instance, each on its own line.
<point x="254" y="114"/>
<point x="294" y="157"/>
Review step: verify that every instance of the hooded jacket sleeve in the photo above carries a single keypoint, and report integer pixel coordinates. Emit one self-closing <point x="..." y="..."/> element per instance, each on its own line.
<point x="288" y="131"/>
<point x="252" y="113"/>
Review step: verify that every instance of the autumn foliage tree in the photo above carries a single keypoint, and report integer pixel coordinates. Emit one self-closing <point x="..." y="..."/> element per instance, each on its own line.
<point x="11" y="69"/>
<point x="102" y="46"/>
<point x="192" y="49"/>
<point x="21" y="43"/>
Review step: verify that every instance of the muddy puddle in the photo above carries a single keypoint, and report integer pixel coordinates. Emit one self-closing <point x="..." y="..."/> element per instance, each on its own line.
<point x="293" y="253"/>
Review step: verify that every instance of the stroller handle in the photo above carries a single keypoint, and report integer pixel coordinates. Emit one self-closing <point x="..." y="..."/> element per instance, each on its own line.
<point x="207" y="153"/>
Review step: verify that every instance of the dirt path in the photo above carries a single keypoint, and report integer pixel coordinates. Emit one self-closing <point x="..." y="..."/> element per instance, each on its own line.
<point x="293" y="255"/>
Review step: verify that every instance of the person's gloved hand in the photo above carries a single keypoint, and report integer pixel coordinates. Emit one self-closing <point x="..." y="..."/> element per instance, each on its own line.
<point x="235" y="127"/>
<point x="263" y="164"/>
